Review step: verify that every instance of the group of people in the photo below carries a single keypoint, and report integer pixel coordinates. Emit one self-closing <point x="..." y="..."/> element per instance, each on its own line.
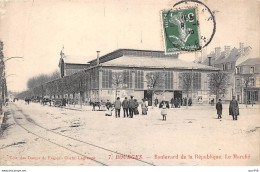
<point x="233" y="108"/>
<point x="130" y="107"/>
<point x="177" y="102"/>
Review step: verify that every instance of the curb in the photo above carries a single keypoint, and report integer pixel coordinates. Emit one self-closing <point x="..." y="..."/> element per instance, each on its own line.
<point x="74" y="109"/>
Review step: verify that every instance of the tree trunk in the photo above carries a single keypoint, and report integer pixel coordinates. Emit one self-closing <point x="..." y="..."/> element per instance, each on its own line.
<point x="74" y="98"/>
<point x="217" y="95"/>
<point x="246" y="96"/>
<point x="187" y="99"/>
<point x="116" y="94"/>
<point x="153" y="102"/>
<point x="80" y="100"/>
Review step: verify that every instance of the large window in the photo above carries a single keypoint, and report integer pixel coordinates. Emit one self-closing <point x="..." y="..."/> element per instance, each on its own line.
<point x="94" y="78"/>
<point x="252" y="70"/>
<point x="127" y="74"/>
<point x="139" y="79"/>
<point x="197" y="81"/>
<point x="238" y="82"/>
<point x="87" y="81"/>
<point x="238" y="70"/>
<point x="168" y="80"/>
<point x="106" y="78"/>
<point x="251" y="82"/>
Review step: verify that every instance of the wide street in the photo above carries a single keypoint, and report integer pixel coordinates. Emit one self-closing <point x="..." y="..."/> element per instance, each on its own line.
<point x="44" y="135"/>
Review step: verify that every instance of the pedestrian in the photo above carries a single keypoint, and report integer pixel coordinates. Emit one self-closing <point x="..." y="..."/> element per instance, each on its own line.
<point x="99" y="104"/>
<point x="179" y="102"/>
<point x="63" y="102"/>
<point x="131" y="107"/>
<point x="233" y="108"/>
<point x="175" y="103"/>
<point x="108" y="105"/>
<point x="144" y="107"/>
<point x="190" y="101"/>
<point x="172" y="102"/>
<point x="136" y="104"/>
<point x="164" y="111"/>
<point x="125" y="105"/>
<point x="146" y="102"/>
<point x="93" y="105"/>
<point x="219" y="108"/>
<point x="185" y="101"/>
<point x="117" y="107"/>
<point x="212" y="102"/>
<point x="110" y="110"/>
<point x="156" y="102"/>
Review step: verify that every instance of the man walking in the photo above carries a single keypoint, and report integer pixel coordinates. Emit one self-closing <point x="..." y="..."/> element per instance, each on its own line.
<point x="125" y="105"/>
<point x="233" y="108"/>
<point x="219" y="108"/>
<point x="156" y="102"/>
<point x="131" y="106"/>
<point x="117" y="107"/>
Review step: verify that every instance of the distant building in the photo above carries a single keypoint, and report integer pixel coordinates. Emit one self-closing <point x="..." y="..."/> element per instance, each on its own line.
<point x="248" y="70"/>
<point x="227" y="60"/>
<point x="71" y="64"/>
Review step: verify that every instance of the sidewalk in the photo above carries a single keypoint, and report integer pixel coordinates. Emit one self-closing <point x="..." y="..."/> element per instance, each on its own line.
<point x="195" y="107"/>
<point x="83" y="108"/>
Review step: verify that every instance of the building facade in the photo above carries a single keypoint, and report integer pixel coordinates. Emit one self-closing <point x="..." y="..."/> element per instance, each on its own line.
<point x="227" y="60"/>
<point x="125" y="72"/>
<point x="248" y="81"/>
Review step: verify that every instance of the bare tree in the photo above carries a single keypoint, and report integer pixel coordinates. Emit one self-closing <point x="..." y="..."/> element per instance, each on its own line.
<point x="117" y="81"/>
<point x="218" y="82"/>
<point x="246" y="82"/>
<point x="42" y="79"/>
<point x="186" y="81"/>
<point x="155" y="82"/>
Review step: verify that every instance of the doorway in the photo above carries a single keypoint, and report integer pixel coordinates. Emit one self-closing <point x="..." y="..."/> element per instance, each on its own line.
<point x="148" y="95"/>
<point x="177" y="94"/>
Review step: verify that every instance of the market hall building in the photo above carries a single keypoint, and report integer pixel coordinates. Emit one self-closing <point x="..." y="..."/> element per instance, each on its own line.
<point x="134" y="65"/>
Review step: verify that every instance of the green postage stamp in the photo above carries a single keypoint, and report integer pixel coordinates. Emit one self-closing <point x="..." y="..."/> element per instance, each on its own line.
<point x="180" y="30"/>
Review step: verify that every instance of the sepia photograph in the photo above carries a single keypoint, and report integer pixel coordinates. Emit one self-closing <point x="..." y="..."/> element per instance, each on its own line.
<point x="129" y="83"/>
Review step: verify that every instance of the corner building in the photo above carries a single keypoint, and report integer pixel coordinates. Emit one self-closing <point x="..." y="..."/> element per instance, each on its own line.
<point x="134" y="65"/>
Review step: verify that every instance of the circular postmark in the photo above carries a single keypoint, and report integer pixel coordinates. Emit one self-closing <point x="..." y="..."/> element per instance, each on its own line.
<point x="189" y="26"/>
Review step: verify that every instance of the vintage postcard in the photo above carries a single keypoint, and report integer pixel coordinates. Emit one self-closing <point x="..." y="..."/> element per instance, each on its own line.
<point x="129" y="83"/>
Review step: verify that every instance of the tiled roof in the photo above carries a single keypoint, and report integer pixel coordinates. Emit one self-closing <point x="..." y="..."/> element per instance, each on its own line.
<point x="250" y="62"/>
<point x="132" y="52"/>
<point x="233" y="56"/>
<point x="155" y="62"/>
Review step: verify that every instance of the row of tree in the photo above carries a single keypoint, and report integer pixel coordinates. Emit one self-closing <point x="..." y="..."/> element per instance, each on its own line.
<point x="41" y="79"/>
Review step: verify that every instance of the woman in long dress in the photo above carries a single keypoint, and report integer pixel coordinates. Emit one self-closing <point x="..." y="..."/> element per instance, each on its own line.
<point x="144" y="108"/>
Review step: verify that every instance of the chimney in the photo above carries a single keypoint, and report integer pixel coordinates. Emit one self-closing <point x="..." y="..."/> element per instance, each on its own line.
<point x="217" y="52"/>
<point x="241" y="49"/>
<point x="98" y="57"/>
<point x="209" y="60"/>
<point x="227" y="51"/>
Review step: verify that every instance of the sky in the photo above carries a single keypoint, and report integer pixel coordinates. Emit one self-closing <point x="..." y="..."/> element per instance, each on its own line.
<point x="37" y="30"/>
